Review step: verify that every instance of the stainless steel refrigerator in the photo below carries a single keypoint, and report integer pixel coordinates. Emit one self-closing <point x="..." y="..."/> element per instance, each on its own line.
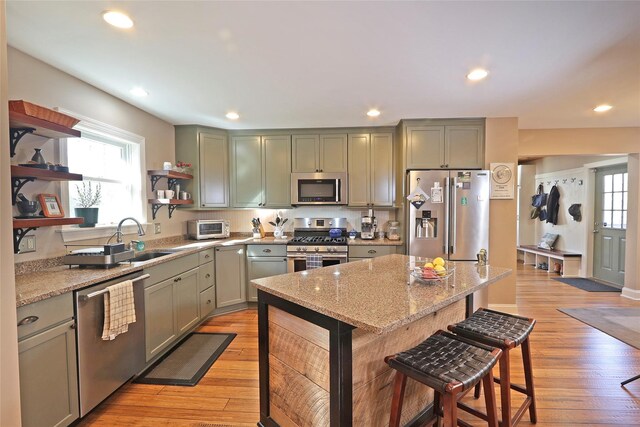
<point x="448" y="213"/>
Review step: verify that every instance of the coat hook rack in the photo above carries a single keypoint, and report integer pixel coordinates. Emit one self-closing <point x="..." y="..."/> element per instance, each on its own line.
<point x="564" y="181"/>
<point x="548" y="182"/>
<point x="573" y="180"/>
<point x="556" y="182"/>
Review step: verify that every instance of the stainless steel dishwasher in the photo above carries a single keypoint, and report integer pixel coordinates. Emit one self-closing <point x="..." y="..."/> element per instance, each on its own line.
<point x="103" y="366"/>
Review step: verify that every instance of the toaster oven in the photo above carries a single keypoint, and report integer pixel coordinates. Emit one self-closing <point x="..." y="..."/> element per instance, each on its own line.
<point x="201" y="229"/>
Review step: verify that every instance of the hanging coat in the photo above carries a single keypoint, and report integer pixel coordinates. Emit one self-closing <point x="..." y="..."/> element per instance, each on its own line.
<point x="553" y="205"/>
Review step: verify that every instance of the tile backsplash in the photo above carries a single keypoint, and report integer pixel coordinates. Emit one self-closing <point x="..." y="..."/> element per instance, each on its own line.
<point x="241" y="219"/>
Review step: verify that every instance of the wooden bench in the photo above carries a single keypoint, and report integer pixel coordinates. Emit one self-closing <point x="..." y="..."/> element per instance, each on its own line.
<point x="570" y="261"/>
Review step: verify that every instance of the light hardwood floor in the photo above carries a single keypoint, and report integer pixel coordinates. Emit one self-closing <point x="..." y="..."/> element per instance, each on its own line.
<point x="577" y="370"/>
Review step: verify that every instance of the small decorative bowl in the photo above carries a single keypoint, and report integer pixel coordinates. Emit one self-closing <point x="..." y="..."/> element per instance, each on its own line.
<point x="424" y="274"/>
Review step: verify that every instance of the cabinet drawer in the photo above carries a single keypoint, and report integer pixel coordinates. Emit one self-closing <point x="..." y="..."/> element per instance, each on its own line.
<point x="207" y="302"/>
<point x="44" y="314"/>
<point x="370" y="251"/>
<point x="169" y="269"/>
<point x="206" y="276"/>
<point x="266" y="250"/>
<point x="206" y="256"/>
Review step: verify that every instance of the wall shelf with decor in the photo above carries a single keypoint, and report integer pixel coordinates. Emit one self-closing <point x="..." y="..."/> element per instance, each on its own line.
<point x="22" y="124"/>
<point x="171" y="175"/>
<point x="156" y="204"/>
<point x="20" y="175"/>
<point x="24" y="225"/>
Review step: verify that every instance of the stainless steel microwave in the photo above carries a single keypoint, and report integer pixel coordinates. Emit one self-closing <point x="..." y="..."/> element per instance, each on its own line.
<point x="201" y="229"/>
<point x="322" y="188"/>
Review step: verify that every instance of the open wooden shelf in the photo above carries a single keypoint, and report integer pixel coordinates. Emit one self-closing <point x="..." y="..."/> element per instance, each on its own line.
<point x="156" y="204"/>
<point x="44" y="222"/>
<point x="42" y="127"/>
<point x="169" y="174"/>
<point x="43" y="174"/>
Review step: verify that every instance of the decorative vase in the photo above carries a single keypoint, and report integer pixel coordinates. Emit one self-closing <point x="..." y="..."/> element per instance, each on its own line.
<point x="90" y="216"/>
<point x="37" y="157"/>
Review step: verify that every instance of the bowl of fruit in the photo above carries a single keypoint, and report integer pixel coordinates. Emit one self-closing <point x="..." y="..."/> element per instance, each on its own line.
<point x="430" y="270"/>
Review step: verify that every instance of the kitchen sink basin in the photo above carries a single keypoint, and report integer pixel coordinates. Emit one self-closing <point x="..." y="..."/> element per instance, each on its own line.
<point x="149" y="256"/>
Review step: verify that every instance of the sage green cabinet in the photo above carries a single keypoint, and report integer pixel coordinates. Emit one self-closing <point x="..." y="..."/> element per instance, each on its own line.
<point x="261" y="171"/>
<point x="207" y="150"/>
<point x="48" y="364"/>
<point x="445" y="146"/>
<point x="357" y="253"/>
<point x="206" y="282"/>
<point x="319" y="153"/>
<point x="264" y="261"/>
<point x="171" y="309"/>
<point x="230" y="275"/>
<point x="371" y="177"/>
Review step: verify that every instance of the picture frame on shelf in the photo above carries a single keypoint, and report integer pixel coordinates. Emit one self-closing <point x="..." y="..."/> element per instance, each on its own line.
<point x="51" y="206"/>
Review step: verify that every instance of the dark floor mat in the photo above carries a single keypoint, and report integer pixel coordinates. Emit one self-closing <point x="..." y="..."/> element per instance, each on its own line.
<point x="187" y="362"/>
<point x="587" y="284"/>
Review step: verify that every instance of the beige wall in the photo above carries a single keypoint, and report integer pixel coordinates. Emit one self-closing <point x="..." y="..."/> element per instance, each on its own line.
<point x="502" y="146"/>
<point x="632" y="260"/>
<point x="35" y="81"/>
<point x="9" y="382"/>
<point x="560" y="163"/>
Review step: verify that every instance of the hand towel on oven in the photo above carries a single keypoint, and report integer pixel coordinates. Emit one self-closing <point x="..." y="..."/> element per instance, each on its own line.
<point x="119" y="310"/>
<point x="314" y="261"/>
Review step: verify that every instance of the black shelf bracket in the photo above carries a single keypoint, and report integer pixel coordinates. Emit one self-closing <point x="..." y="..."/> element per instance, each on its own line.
<point x="171" y="209"/>
<point x="171" y="182"/>
<point x="154" y="209"/>
<point x="16" y="186"/>
<point x="154" y="181"/>
<point x="16" y="135"/>
<point x="18" y="235"/>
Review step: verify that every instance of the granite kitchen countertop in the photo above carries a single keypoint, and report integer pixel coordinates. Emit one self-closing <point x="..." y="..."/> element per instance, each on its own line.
<point x="39" y="284"/>
<point x="377" y="294"/>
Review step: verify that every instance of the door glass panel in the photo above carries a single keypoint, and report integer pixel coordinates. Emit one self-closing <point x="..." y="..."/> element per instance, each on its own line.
<point x="606" y="219"/>
<point x="616" y="222"/>
<point x="617" y="182"/>
<point x="614" y="200"/>
<point x="624" y="219"/>
<point x="608" y="201"/>
<point x="624" y="201"/>
<point x="608" y="183"/>
<point x="617" y="200"/>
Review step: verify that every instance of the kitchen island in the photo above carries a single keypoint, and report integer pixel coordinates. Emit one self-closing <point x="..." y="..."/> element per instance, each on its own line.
<point x="324" y="333"/>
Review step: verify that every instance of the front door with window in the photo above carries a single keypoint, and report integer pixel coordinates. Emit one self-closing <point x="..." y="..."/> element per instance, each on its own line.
<point x="610" y="228"/>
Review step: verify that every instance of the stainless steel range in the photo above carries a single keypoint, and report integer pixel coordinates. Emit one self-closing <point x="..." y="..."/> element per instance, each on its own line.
<point x="323" y="236"/>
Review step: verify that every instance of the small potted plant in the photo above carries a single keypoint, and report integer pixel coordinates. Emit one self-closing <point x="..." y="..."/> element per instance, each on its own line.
<point x="88" y="198"/>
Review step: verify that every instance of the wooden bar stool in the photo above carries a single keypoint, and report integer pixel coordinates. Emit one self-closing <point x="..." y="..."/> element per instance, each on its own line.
<point x="505" y="331"/>
<point x="450" y="365"/>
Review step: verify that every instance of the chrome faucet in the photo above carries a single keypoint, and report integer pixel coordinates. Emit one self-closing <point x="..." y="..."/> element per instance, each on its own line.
<point x="119" y="229"/>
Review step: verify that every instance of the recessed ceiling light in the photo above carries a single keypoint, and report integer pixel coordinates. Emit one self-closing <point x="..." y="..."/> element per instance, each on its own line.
<point x="138" y="91"/>
<point x="477" y="74"/>
<point x="232" y="115"/>
<point x="117" y="19"/>
<point x="373" y="113"/>
<point x="602" y="108"/>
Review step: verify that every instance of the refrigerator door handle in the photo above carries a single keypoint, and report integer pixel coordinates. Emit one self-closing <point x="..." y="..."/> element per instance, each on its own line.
<point x="454" y="225"/>
<point x="446" y="215"/>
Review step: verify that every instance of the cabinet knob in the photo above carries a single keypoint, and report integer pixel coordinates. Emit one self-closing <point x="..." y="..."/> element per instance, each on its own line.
<point x="207" y="276"/>
<point x="207" y="256"/>
<point x="372" y="251"/>
<point x="208" y="301"/>
<point x="177" y="279"/>
<point x="72" y="326"/>
<point x="28" y="320"/>
<point x="266" y="250"/>
<point x="320" y="170"/>
<point x="317" y="170"/>
<point x="447" y="165"/>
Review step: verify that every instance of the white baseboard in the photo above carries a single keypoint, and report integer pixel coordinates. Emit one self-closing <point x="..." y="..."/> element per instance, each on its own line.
<point x="633" y="294"/>
<point x="505" y="308"/>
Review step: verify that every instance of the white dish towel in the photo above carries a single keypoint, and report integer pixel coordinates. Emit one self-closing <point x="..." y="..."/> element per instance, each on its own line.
<point x="119" y="310"/>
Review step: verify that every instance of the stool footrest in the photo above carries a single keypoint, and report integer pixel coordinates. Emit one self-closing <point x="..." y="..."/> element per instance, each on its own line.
<point x="515" y="387"/>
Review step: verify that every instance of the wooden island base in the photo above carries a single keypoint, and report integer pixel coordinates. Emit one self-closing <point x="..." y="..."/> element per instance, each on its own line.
<point x="303" y="362"/>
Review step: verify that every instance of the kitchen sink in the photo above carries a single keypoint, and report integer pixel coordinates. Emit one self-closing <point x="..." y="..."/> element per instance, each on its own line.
<point x="149" y="256"/>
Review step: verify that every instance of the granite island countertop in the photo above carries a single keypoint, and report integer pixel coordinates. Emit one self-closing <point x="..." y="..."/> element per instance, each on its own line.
<point x="377" y="295"/>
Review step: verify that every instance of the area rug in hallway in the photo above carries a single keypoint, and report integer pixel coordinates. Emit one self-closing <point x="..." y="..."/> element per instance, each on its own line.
<point x="587" y="284"/>
<point x="621" y="323"/>
<point x="187" y="363"/>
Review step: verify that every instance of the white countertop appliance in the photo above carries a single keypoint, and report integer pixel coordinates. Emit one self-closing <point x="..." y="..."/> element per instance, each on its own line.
<point x="200" y="229"/>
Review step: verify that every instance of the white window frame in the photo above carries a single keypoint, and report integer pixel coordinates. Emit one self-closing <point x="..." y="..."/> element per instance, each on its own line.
<point x="74" y="233"/>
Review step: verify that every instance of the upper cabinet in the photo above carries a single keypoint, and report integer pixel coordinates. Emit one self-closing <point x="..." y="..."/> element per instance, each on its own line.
<point x="445" y="146"/>
<point x="319" y="153"/>
<point x="371" y="175"/>
<point x="261" y="171"/>
<point x="208" y="152"/>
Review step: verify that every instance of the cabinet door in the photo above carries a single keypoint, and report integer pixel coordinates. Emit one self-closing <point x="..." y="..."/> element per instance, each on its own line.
<point x="359" y="172"/>
<point x="159" y="317"/>
<point x="185" y="289"/>
<point x="258" y="268"/>
<point x="382" y="182"/>
<point x="464" y="147"/>
<point x="48" y="377"/>
<point x="276" y="166"/>
<point x="333" y="153"/>
<point x="304" y="154"/>
<point x="425" y="147"/>
<point x="230" y="276"/>
<point x="246" y="169"/>
<point x="214" y="181"/>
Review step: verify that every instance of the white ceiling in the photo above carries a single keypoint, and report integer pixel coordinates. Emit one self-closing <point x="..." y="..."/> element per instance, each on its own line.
<point x="324" y="64"/>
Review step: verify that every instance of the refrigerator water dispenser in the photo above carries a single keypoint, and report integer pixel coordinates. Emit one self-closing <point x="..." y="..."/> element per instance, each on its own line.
<point x="426" y="227"/>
